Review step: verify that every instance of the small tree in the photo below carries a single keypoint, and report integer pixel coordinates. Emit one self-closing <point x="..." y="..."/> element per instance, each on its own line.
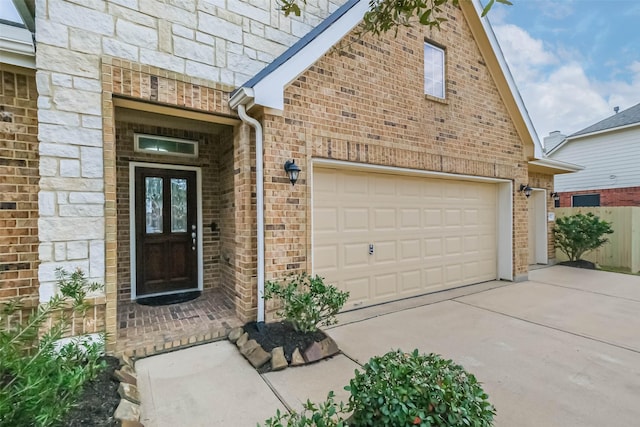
<point x="580" y="233"/>
<point x="307" y="301"/>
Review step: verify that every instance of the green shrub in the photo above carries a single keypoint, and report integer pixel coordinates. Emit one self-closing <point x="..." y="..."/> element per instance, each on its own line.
<point x="405" y="389"/>
<point x="327" y="414"/>
<point x="307" y="302"/>
<point x="577" y="234"/>
<point x="40" y="377"/>
<point x="401" y="389"/>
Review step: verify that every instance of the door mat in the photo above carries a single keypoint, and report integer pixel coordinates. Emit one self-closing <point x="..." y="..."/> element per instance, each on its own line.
<point x="169" y="299"/>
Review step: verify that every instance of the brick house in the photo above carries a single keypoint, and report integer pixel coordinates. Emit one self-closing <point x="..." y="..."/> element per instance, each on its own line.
<point x="609" y="152"/>
<point x="413" y="153"/>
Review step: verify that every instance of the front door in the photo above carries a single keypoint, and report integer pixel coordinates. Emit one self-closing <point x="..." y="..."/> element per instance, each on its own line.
<point x="166" y="231"/>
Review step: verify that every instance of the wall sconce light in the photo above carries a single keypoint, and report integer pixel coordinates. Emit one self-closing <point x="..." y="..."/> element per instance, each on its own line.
<point x="525" y="189"/>
<point x="555" y="196"/>
<point x="292" y="170"/>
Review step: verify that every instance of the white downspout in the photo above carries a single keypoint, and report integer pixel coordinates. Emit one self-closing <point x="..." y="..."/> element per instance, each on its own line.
<point x="259" y="205"/>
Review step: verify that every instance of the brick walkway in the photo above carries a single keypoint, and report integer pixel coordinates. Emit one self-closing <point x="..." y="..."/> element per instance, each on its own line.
<point x="145" y="330"/>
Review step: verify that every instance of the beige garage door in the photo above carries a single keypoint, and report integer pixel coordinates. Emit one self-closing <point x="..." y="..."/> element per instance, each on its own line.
<point x="384" y="237"/>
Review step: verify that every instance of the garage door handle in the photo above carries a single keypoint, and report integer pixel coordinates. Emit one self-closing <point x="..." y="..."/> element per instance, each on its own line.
<point x="371" y="249"/>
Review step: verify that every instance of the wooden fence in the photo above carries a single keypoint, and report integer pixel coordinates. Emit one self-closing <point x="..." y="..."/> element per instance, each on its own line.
<point x="623" y="248"/>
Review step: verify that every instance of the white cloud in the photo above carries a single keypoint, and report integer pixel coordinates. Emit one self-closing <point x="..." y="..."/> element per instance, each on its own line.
<point x="556" y="90"/>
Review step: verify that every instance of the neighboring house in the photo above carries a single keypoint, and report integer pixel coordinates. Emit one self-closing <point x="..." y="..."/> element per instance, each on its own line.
<point x="151" y="114"/>
<point x="609" y="151"/>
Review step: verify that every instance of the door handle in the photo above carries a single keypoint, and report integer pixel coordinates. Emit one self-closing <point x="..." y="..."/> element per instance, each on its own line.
<point x="371" y="249"/>
<point x="193" y="237"/>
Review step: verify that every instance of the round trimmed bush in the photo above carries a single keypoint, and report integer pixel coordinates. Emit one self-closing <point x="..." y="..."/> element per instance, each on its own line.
<point x="412" y="389"/>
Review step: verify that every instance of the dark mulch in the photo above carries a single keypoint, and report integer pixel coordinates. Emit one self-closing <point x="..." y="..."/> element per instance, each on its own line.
<point x="579" y="264"/>
<point x="281" y="334"/>
<point x="98" y="401"/>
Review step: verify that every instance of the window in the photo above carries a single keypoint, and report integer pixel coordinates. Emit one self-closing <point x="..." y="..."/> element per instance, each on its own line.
<point x="585" y="200"/>
<point x="163" y="145"/>
<point x="433" y="71"/>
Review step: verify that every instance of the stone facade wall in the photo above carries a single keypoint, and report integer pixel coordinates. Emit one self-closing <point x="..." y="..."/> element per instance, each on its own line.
<point x="213" y="43"/>
<point x="18" y="184"/>
<point x="367" y="104"/>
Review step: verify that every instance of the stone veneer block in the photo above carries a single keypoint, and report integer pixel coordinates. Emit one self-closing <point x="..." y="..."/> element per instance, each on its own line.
<point x="242" y="340"/>
<point x="235" y="334"/>
<point x="278" y="361"/>
<point x="129" y="392"/>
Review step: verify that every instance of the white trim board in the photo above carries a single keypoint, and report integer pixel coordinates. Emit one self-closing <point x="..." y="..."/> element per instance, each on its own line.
<point x="504" y="220"/>
<point x="132" y="222"/>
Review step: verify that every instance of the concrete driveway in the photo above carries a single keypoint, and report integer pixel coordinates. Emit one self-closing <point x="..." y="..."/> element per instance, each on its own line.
<point x="562" y="349"/>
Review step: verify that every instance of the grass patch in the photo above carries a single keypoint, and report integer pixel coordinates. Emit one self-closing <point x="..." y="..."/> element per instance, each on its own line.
<point x="617" y="270"/>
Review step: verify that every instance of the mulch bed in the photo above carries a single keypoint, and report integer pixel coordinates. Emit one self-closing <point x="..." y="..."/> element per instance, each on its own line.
<point x="579" y="264"/>
<point x="281" y="334"/>
<point x="98" y="401"/>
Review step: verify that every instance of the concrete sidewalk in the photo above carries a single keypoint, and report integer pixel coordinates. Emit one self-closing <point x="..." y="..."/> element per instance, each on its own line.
<point x="560" y="350"/>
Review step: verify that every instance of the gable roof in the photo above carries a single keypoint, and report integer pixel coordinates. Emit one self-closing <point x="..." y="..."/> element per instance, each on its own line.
<point x="267" y="87"/>
<point x="627" y="117"/>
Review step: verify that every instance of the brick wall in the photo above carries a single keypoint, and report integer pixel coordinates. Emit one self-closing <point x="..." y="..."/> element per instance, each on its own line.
<point x="366" y="104"/>
<point x="628" y="196"/>
<point x="18" y="184"/>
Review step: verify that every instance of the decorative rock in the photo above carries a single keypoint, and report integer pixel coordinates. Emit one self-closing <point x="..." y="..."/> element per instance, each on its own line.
<point x="128" y="370"/>
<point x="128" y="361"/>
<point x="129" y="392"/>
<point x="258" y="357"/>
<point x="127" y="411"/>
<point x="235" y="334"/>
<point x="296" y="358"/>
<point x="248" y="346"/>
<point x="320" y="350"/>
<point x="278" y="361"/>
<point x="123" y="377"/>
<point x="242" y="340"/>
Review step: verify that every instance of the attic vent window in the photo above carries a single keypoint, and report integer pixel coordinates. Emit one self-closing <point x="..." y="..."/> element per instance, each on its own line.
<point x="166" y="146"/>
<point x="433" y="71"/>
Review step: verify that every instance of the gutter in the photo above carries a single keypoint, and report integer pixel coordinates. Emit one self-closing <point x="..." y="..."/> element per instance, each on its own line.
<point x="259" y="196"/>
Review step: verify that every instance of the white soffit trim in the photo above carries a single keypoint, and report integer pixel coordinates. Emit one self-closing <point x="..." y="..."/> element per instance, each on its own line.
<point x="509" y="77"/>
<point x="556" y="164"/>
<point x="269" y="92"/>
<point x="16" y="46"/>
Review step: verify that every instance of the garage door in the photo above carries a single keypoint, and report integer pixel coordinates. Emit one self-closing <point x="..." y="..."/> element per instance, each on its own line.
<point x="384" y="237"/>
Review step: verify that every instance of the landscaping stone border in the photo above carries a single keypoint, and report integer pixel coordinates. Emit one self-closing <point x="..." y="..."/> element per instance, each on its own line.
<point x="258" y="357"/>
<point x="128" y="411"/>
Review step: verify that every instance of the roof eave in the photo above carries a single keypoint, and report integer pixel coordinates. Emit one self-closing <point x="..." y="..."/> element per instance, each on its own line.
<point x="553" y="167"/>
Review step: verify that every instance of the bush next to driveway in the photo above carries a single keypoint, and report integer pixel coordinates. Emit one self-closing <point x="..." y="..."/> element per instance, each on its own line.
<point x="577" y="234"/>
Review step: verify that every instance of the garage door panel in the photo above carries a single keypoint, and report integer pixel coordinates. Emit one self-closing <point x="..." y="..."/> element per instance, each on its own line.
<point x="410" y="282"/>
<point x="359" y="289"/>
<point x="386" y="286"/>
<point x="428" y="234"/>
<point x="325" y="220"/>
<point x="384" y="219"/>
<point x="432" y="218"/>
<point x="325" y="257"/>
<point x="410" y="250"/>
<point x="356" y="254"/>
<point x="355" y="219"/>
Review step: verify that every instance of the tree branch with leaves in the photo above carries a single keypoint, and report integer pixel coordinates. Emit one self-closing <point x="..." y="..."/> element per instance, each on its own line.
<point x="385" y="15"/>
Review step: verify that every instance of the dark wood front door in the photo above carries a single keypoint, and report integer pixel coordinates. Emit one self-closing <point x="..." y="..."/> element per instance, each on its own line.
<point x="166" y="231"/>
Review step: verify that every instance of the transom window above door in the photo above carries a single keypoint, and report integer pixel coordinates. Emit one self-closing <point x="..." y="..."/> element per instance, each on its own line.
<point x="434" y="71"/>
<point x="165" y="145"/>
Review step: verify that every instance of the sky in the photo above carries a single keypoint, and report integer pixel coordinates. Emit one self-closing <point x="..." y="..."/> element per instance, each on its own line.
<point x="573" y="60"/>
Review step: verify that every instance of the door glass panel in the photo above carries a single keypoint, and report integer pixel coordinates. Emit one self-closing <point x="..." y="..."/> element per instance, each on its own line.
<point x="178" y="205"/>
<point x="153" y="204"/>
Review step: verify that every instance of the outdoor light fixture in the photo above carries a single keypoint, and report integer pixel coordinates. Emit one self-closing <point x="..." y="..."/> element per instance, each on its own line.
<point x="555" y="196"/>
<point x="292" y="170"/>
<point x="525" y="189"/>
